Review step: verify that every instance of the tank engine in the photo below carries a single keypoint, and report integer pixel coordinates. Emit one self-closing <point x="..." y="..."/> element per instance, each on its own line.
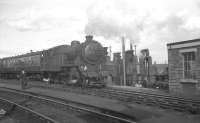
<point x="78" y="63"/>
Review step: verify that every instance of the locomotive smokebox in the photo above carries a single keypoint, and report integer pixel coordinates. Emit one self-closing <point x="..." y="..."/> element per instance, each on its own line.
<point x="89" y="37"/>
<point x="92" y="51"/>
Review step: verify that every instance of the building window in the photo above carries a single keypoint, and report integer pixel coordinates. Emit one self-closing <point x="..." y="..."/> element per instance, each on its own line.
<point x="188" y="64"/>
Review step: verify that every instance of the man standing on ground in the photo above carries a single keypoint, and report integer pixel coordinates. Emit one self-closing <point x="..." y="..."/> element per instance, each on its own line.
<point x="23" y="79"/>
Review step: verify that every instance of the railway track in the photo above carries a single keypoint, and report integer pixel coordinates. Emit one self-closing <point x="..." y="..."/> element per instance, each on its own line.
<point x="101" y="115"/>
<point x="164" y="101"/>
<point x="27" y="115"/>
<point x="151" y="98"/>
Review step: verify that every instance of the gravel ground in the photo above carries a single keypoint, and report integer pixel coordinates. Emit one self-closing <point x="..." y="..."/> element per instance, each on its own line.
<point x="57" y="113"/>
<point x="16" y="115"/>
<point x="8" y="120"/>
<point x="63" y="115"/>
<point x="146" y="114"/>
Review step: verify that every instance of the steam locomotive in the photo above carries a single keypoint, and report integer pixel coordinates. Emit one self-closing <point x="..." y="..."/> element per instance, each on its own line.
<point x="78" y="63"/>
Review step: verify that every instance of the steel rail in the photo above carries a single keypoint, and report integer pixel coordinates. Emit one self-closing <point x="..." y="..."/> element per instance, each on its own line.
<point x="157" y="94"/>
<point x="138" y="96"/>
<point x="161" y="100"/>
<point x="168" y="98"/>
<point x="47" y="119"/>
<point x="173" y="102"/>
<point x="78" y="108"/>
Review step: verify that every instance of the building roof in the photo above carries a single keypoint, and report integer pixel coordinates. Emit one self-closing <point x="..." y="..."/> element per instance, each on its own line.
<point x="24" y="55"/>
<point x="184" y="44"/>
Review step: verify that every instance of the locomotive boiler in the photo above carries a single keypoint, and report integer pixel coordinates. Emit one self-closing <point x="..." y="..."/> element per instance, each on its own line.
<point x="78" y="63"/>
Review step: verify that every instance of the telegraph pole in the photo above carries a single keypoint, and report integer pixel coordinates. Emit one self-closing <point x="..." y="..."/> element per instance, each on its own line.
<point x="123" y="56"/>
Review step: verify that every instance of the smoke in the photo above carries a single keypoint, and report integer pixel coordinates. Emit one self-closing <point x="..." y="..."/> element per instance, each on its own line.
<point x="144" y="22"/>
<point x="178" y="28"/>
<point x="111" y="23"/>
<point x="149" y="24"/>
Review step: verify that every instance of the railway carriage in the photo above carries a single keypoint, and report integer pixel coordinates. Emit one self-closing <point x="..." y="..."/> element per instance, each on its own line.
<point x="11" y="66"/>
<point x="78" y="63"/>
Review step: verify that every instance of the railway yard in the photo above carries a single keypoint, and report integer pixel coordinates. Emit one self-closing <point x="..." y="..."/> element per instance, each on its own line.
<point x="99" y="62"/>
<point x="62" y="103"/>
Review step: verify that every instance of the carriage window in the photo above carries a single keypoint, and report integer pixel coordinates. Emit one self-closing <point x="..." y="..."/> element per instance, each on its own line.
<point x="188" y="64"/>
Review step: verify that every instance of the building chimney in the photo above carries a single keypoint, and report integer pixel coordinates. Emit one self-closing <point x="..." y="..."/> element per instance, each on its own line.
<point x="89" y="37"/>
<point x="135" y="49"/>
<point x="131" y="46"/>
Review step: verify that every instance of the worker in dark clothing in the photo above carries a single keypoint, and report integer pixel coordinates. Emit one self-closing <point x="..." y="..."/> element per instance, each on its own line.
<point x="23" y="79"/>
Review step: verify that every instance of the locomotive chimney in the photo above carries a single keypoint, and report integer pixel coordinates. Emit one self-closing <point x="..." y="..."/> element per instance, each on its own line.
<point x="89" y="37"/>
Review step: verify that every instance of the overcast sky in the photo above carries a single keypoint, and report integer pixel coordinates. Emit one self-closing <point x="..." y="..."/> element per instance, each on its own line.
<point x="41" y="24"/>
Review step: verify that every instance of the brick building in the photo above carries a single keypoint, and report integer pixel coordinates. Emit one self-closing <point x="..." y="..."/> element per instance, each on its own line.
<point x="107" y="71"/>
<point x="184" y="67"/>
<point x="117" y="73"/>
<point x="131" y="68"/>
